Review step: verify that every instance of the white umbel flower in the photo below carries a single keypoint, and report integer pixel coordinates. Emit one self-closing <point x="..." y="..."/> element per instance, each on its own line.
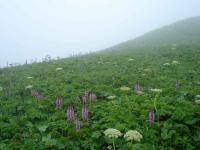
<point x="197" y="96"/>
<point x="124" y="88"/>
<point x="156" y="90"/>
<point x="166" y="64"/>
<point x="29" y="87"/>
<point x="174" y="62"/>
<point x="112" y="133"/>
<point x="131" y="59"/>
<point x="57" y="69"/>
<point x="197" y="101"/>
<point x="111" y="97"/>
<point x="133" y="135"/>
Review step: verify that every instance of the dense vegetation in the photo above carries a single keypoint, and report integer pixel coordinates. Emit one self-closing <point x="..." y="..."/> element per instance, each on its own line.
<point x="29" y="122"/>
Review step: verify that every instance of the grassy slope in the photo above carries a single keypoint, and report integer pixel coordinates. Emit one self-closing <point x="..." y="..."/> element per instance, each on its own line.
<point x="105" y="72"/>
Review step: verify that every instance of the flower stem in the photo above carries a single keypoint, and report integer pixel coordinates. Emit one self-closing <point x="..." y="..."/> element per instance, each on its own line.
<point x="113" y="144"/>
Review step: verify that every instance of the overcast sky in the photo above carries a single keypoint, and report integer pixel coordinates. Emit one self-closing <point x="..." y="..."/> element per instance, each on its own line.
<point x="34" y="28"/>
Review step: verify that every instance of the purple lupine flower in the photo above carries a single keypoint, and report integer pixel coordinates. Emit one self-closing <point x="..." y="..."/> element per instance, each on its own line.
<point x="137" y="88"/>
<point x="59" y="102"/>
<point x="34" y="93"/>
<point x="39" y="97"/>
<point x="151" y="117"/>
<point x="70" y="113"/>
<point x="177" y="84"/>
<point x="92" y="96"/>
<point x="84" y="99"/>
<point x="84" y="113"/>
<point x="78" y="125"/>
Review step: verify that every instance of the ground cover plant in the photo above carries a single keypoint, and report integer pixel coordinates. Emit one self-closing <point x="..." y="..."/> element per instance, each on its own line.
<point x="127" y="97"/>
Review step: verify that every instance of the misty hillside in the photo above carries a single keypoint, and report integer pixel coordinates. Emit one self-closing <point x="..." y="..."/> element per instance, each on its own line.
<point x="185" y="32"/>
<point x="150" y="85"/>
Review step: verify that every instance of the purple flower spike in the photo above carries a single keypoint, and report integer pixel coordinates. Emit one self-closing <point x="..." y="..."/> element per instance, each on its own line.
<point x="84" y="113"/>
<point x="39" y="97"/>
<point x="137" y="88"/>
<point x="59" y="102"/>
<point x="84" y="99"/>
<point x="92" y="97"/>
<point x="177" y="84"/>
<point x="78" y="125"/>
<point x="34" y="93"/>
<point x="70" y="113"/>
<point x="151" y="118"/>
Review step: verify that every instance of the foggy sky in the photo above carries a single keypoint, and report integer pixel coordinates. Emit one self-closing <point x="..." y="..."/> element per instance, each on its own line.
<point x="34" y="28"/>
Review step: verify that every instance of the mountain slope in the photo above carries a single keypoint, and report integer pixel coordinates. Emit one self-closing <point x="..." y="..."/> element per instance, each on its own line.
<point x="184" y="32"/>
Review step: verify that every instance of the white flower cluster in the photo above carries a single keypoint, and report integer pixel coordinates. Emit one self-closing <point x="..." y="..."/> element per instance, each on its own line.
<point x="197" y="101"/>
<point x="111" y="97"/>
<point x="197" y="96"/>
<point x="166" y="64"/>
<point x="156" y="90"/>
<point x="112" y="133"/>
<point x="124" y="88"/>
<point x="174" y="62"/>
<point x="29" y="87"/>
<point x="131" y="59"/>
<point x="147" y="70"/>
<point x="1" y="89"/>
<point x="133" y="135"/>
<point x="57" y="69"/>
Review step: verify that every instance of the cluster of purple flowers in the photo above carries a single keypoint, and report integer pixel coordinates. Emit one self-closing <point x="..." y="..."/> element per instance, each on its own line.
<point x="70" y="113"/>
<point x="137" y="88"/>
<point x="85" y="114"/>
<point x="59" y="102"/>
<point x="36" y="94"/>
<point x="88" y="95"/>
<point x="151" y="118"/>
<point x="177" y="84"/>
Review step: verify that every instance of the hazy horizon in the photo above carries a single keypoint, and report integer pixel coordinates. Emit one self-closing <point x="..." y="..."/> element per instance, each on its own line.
<point x="33" y="29"/>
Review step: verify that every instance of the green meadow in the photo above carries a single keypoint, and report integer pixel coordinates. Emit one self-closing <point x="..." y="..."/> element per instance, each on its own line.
<point x="164" y="63"/>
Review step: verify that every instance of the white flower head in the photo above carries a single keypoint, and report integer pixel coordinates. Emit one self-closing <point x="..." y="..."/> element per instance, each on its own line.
<point x="166" y="64"/>
<point x="156" y="90"/>
<point x="112" y="133"/>
<point x="147" y="70"/>
<point x="1" y="89"/>
<point x="174" y="62"/>
<point x="111" y="97"/>
<point x="197" y="96"/>
<point x="57" y="69"/>
<point x="197" y="101"/>
<point x="133" y="135"/>
<point x="29" y="87"/>
<point x="124" y="88"/>
<point x="131" y="59"/>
